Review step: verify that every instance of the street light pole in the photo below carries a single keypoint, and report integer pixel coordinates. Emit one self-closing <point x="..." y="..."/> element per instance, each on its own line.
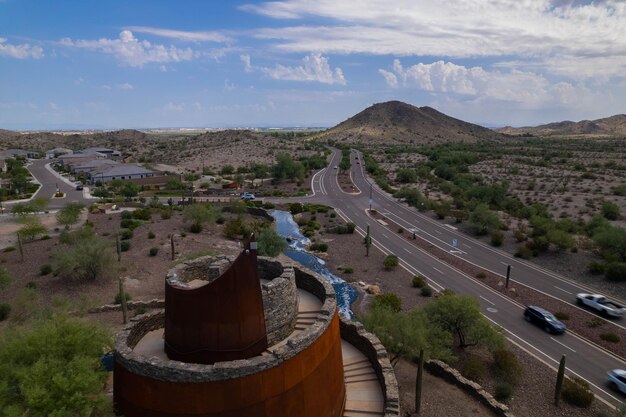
<point x="370" y="196"/>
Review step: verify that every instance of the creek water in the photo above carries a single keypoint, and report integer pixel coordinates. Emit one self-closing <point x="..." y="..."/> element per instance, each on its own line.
<point x="287" y="227"/>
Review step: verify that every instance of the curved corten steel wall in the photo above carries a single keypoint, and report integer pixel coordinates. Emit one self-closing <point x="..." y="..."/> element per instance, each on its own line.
<point x="222" y="320"/>
<point x="309" y="384"/>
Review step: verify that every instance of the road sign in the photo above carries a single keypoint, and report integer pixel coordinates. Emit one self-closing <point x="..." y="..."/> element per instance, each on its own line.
<point x="454" y="243"/>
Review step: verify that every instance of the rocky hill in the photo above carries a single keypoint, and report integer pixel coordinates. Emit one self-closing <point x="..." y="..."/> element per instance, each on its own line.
<point x="395" y="123"/>
<point x="609" y="126"/>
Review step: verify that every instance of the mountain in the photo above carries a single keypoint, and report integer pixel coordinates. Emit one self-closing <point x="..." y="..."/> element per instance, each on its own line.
<point x="609" y="126"/>
<point x="5" y="134"/>
<point x="395" y="123"/>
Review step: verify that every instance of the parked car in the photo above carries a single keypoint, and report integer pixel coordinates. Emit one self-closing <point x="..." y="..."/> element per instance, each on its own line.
<point x="79" y="187"/>
<point x="247" y="196"/>
<point x="335" y="167"/>
<point x="617" y="380"/>
<point x="602" y="304"/>
<point x="544" y="319"/>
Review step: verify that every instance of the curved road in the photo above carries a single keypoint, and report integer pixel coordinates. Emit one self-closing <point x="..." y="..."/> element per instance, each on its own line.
<point x="583" y="358"/>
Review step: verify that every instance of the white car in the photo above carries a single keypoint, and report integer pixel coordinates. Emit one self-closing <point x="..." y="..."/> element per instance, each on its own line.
<point x="617" y="380"/>
<point x="601" y="304"/>
<point x="247" y="196"/>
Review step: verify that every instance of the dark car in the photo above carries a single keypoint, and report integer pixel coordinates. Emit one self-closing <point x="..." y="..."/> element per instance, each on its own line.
<point x="544" y="319"/>
<point x="79" y="187"/>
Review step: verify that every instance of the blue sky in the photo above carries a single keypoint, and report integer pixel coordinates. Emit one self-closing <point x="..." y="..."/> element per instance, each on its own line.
<point x="148" y="64"/>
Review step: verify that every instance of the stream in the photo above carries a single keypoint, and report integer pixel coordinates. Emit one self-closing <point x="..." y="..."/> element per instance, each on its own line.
<point x="287" y="228"/>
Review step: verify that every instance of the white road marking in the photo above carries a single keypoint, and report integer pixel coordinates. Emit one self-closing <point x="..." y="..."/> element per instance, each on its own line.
<point x="562" y="344"/>
<point x="504" y="263"/>
<point x="450" y="226"/>
<point x="384" y="235"/>
<point x="467" y="246"/>
<point x="559" y="288"/>
<point x="407" y="251"/>
<point x="490" y="302"/>
<point x="438" y="270"/>
<point x="438" y="231"/>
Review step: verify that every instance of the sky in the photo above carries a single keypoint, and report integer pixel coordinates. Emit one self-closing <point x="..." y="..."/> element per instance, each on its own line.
<point x="93" y="64"/>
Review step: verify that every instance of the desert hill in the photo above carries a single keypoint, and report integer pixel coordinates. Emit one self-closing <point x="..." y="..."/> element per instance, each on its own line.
<point x="395" y="122"/>
<point x="4" y="134"/>
<point x="609" y="126"/>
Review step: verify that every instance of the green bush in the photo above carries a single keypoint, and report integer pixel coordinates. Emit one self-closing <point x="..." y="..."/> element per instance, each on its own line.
<point x="595" y="322"/>
<point x="610" y="211"/>
<point x="126" y="234"/>
<point x="8" y="249"/>
<point x="474" y="368"/>
<point x="268" y="205"/>
<point x="5" y="309"/>
<point x="142" y="214"/>
<point x="418" y="281"/>
<point x="127" y="214"/>
<point x="497" y="237"/>
<point x="31" y="285"/>
<point x="347" y="270"/>
<point x="319" y="247"/>
<point x="129" y="224"/>
<point x="118" y="298"/>
<point x="390" y="262"/>
<point x="596" y="268"/>
<point x="610" y="337"/>
<point x="195" y="228"/>
<point x="561" y="315"/>
<point x="153" y="251"/>
<point x="45" y="269"/>
<point x="481" y="275"/>
<point x="124" y="245"/>
<point x="295" y="208"/>
<point x="503" y="391"/>
<point x="506" y="366"/>
<point x="523" y="252"/>
<point x="615" y="272"/>
<point x="151" y="235"/>
<point x="388" y="299"/>
<point x="350" y="227"/>
<point x="576" y="392"/>
<point x="427" y="291"/>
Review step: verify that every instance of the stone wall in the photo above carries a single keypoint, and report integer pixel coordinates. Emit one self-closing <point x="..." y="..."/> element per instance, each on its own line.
<point x="205" y="268"/>
<point x="280" y="303"/>
<point x="354" y="333"/>
<point x="130" y="305"/>
<point x="454" y="377"/>
<point x="175" y="371"/>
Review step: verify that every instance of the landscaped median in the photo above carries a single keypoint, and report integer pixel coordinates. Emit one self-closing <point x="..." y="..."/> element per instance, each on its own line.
<point x="587" y="325"/>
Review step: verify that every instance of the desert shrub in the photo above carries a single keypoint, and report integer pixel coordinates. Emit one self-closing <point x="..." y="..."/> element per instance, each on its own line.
<point x="418" y="281"/>
<point x="142" y="214"/>
<point x="620" y="190"/>
<point x="350" y="227"/>
<point x="124" y="245"/>
<point x="8" y="249"/>
<point x="319" y="247"/>
<point x="595" y="322"/>
<point x="474" y="368"/>
<point x="347" y="270"/>
<point x="45" y="269"/>
<point x="126" y="234"/>
<point x="610" y="211"/>
<point x="503" y="391"/>
<point x="139" y="310"/>
<point x="236" y="227"/>
<point x="153" y="251"/>
<point x="390" y="262"/>
<point x="195" y="228"/>
<point x="506" y="366"/>
<point x="151" y="235"/>
<point x="481" y="275"/>
<point x="118" y="297"/>
<point x="295" y="208"/>
<point x="576" y="392"/>
<point x="388" y="299"/>
<point x="615" y="272"/>
<point x="45" y="237"/>
<point x="166" y="214"/>
<point x="561" y="315"/>
<point x="596" y="268"/>
<point x="5" y="310"/>
<point x="523" y="252"/>
<point x="333" y="215"/>
<point x="270" y="243"/>
<point x="130" y="224"/>
<point x="610" y="337"/>
<point x="268" y="205"/>
<point x="497" y="237"/>
<point x="400" y="230"/>
<point x="126" y="214"/>
<point x="427" y="291"/>
<point x="31" y="285"/>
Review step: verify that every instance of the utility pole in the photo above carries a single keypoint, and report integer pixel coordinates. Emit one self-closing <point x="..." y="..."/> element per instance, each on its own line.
<point x="368" y="241"/>
<point x="370" y="197"/>
<point x="508" y="275"/>
<point x="559" y="381"/>
<point x="123" y="301"/>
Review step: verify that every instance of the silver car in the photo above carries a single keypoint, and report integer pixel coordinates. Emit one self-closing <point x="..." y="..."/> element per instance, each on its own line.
<point x="617" y="380"/>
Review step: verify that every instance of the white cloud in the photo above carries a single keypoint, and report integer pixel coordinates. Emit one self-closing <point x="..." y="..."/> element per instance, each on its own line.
<point x="131" y="51"/>
<point x="174" y="107"/>
<point x="21" y="51"/>
<point x="206" y="36"/>
<point x="570" y="37"/>
<point x="79" y="81"/>
<point x="124" y="86"/>
<point x="246" y="62"/>
<point x="314" y="67"/>
<point x="525" y="88"/>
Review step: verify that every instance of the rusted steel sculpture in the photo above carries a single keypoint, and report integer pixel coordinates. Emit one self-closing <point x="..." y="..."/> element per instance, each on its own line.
<point x="222" y="320"/>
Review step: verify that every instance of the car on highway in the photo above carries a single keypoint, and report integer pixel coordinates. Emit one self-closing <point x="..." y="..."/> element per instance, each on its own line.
<point x="617" y="380"/>
<point x="544" y="319"/>
<point x="247" y="196"/>
<point x="601" y="304"/>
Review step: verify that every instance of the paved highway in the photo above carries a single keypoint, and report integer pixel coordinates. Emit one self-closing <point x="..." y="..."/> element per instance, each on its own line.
<point x="583" y="358"/>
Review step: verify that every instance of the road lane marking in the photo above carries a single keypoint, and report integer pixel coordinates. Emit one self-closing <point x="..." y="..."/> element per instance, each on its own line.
<point x="450" y="226"/>
<point x="438" y="270"/>
<point x="563" y="344"/>
<point x="559" y="288"/>
<point x="438" y="231"/>
<point x="384" y="235"/>
<point x="406" y="250"/>
<point x="490" y="302"/>
<point x="504" y="263"/>
<point x="467" y="246"/>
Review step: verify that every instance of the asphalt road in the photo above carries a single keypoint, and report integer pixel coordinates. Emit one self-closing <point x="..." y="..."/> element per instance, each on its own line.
<point x="583" y="358"/>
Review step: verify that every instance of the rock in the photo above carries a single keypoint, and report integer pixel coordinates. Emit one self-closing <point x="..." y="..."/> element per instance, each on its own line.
<point x="373" y="289"/>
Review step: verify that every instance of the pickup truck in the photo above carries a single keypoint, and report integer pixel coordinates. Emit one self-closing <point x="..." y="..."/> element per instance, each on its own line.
<point x="602" y="304"/>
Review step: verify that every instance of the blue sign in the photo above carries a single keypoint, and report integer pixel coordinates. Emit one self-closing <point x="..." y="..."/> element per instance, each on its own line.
<point x="454" y="242"/>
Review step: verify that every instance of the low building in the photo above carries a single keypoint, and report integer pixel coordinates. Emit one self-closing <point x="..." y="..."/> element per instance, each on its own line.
<point x="92" y="165"/>
<point x="13" y="153"/>
<point x="106" y="174"/>
<point x="102" y="152"/>
<point x="56" y="152"/>
<point x="75" y="158"/>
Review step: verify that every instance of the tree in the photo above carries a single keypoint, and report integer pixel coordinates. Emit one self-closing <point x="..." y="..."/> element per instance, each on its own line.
<point x="459" y="315"/>
<point x="270" y="243"/>
<point x="198" y="214"/>
<point x="484" y="220"/>
<point x="52" y="368"/>
<point x="32" y="227"/>
<point x="129" y="190"/>
<point x="69" y="214"/>
<point x="227" y="170"/>
<point x="86" y="259"/>
<point x="612" y="242"/>
<point x="286" y="167"/>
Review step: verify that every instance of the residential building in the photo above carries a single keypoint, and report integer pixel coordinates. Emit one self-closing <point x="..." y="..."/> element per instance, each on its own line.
<point x="56" y="152"/>
<point x="106" y="174"/>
